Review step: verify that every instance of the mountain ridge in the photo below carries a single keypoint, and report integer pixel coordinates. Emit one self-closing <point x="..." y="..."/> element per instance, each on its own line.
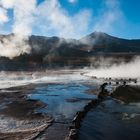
<point x="55" y="51"/>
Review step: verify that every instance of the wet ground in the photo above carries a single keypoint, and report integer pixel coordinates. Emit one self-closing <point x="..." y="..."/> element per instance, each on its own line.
<point x="18" y="119"/>
<point x="114" y="119"/>
<point x="40" y="106"/>
<point x="63" y="102"/>
<point x="41" y="111"/>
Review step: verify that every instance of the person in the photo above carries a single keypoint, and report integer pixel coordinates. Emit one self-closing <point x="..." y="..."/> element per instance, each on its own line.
<point x="103" y="87"/>
<point x="103" y="91"/>
<point x="135" y="81"/>
<point x="124" y="83"/>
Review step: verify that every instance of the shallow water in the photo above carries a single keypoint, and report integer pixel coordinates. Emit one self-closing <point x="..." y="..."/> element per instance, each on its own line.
<point x="111" y="121"/>
<point x="62" y="100"/>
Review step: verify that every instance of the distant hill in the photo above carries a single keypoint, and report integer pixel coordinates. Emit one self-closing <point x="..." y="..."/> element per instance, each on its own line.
<point x="106" y="43"/>
<point x="55" y="51"/>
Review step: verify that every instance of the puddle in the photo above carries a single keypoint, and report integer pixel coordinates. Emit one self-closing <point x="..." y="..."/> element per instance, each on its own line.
<point x="63" y="100"/>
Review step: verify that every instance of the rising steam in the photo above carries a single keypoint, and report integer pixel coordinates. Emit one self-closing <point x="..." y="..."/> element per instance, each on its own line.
<point x="49" y="17"/>
<point x="124" y="70"/>
<point x="23" y="11"/>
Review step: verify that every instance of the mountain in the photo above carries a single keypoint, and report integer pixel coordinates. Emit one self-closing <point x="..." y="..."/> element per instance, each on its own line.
<point x="106" y="43"/>
<point x="55" y="51"/>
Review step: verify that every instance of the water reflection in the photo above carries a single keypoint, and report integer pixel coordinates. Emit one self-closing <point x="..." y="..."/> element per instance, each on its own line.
<point x="56" y="97"/>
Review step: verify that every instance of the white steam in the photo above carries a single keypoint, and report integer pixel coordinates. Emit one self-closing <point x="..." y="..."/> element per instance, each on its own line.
<point x="124" y="70"/>
<point x="57" y="20"/>
<point x="23" y="11"/>
<point x="111" y="14"/>
<point x="109" y="18"/>
<point x="14" y="79"/>
<point x="23" y="16"/>
<point x="50" y="17"/>
<point x="3" y="16"/>
<point x="7" y="3"/>
<point x="14" y="46"/>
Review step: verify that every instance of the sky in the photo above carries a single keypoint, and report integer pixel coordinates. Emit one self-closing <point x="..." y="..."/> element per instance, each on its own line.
<point x="70" y="18"/>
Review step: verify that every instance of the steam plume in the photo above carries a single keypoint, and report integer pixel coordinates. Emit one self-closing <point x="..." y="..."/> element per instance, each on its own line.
<point x="16" y="44"/>
<point x="57" y="20"/>
<point x="50" y="17"/>
<point x="110" y="16"/>
<point x="3" y="16"/>
<point x="124" y="70"/>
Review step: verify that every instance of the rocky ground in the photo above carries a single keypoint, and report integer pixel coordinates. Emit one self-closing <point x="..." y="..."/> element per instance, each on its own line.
<point x="128" y="93"/>
<point x="18" y="117"/>
<point x="123" y="92"/>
